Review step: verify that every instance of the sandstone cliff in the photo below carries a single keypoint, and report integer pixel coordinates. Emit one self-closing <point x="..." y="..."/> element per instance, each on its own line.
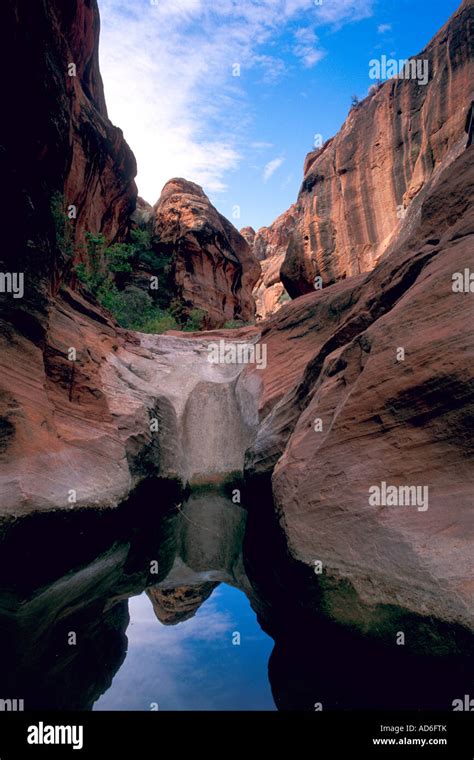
<point x="343" y="410"/>
<point x="358" y="189"/>
<point x="56" y="142"/>
<point x="212" y="266"/>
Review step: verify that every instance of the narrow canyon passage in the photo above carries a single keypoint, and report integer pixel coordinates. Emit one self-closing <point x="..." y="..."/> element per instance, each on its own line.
<point x="236" y="369"/>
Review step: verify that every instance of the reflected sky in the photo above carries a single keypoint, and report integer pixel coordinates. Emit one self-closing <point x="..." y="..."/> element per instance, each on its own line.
<point x="194" y="665"/>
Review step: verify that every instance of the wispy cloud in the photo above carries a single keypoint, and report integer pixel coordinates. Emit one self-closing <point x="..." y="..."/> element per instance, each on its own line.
<point x="340" y="11"/>
<point x="306" y="47"/>
<point x="382" y="28"/>
<point x="174" y="654"/>
<point x="170" y="84"/>
<point x="261" y="145"/>
<point x="271" y="168"/>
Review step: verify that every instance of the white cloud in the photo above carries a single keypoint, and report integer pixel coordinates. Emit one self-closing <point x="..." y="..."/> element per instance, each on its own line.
<point x="210" y="624"/>
<point x="261" y="145"/>
<point x="178" y="7"/>
<point x="271" y="168"/>
<point x="167" y="71"/>
<point x="382" y="28"/>
<point x="306" y="47"/>
<point x="340" y="11"/>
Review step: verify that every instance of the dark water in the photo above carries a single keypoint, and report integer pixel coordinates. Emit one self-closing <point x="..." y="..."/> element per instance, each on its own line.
<point x="194" y="604"/>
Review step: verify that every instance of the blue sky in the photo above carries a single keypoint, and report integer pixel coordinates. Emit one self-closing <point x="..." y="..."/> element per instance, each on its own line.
<point x="168" y="70"/>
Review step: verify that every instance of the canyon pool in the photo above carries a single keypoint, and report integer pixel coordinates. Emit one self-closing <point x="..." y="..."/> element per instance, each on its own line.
<point x="191" y="602"/>
<point x="194" y="642"/>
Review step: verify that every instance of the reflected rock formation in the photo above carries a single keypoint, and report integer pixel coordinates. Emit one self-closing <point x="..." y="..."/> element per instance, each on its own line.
<point x="64" y="615"/>
<point x="62" y="629"/>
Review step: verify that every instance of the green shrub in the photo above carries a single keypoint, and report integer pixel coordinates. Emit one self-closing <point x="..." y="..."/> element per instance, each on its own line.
<point x="118" y="257"/>
<point x="82" y="274"/>
<point x="107" y="267"/>
<point x="95" y="275"/>
<point x="141" y="239"/>
<point x="234" y="324"/>
<point x="195" y="321"/>
<point x="134" y="308"/>
<point x="160" y="322"/>
<point x="150" y="261"/>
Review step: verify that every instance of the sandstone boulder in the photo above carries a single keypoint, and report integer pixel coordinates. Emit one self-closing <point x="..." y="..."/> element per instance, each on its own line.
<point x="213" y="267"/>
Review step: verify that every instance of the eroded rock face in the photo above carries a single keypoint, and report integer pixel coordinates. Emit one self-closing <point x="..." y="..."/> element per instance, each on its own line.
<point x="363" y="413"/>
<point x="100" y="180"/>
<point x="270" y="247"/>
<point x="57" y="139"/>
<point x="249" y="234"/>
<point x="55" y="423"/>
<point x="203" y="427"/>
<point x="85" y="432"/>
<point x="358" y="188"/>
<point x="77" y="394"/>
<point x="213" y="267"/>
<point x="174" y="605"/>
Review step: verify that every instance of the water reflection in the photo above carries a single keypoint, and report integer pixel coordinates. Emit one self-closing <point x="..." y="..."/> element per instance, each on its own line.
<point x="86" y="622"/>
<point x="194" y="665"/>
<point x="193" y="639"/>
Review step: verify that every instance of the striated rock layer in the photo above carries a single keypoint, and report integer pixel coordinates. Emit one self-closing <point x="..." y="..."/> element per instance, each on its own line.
<point x="358" y="188"/>
<point x="369" y="382"/>
<point x="57" y="139"/>
<point x="366" y="382"/>
<point x="381" y="389"/>
<point x="212" y="265"/>
<point x="270" y="246"/>
<point x="84" y="433"/>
